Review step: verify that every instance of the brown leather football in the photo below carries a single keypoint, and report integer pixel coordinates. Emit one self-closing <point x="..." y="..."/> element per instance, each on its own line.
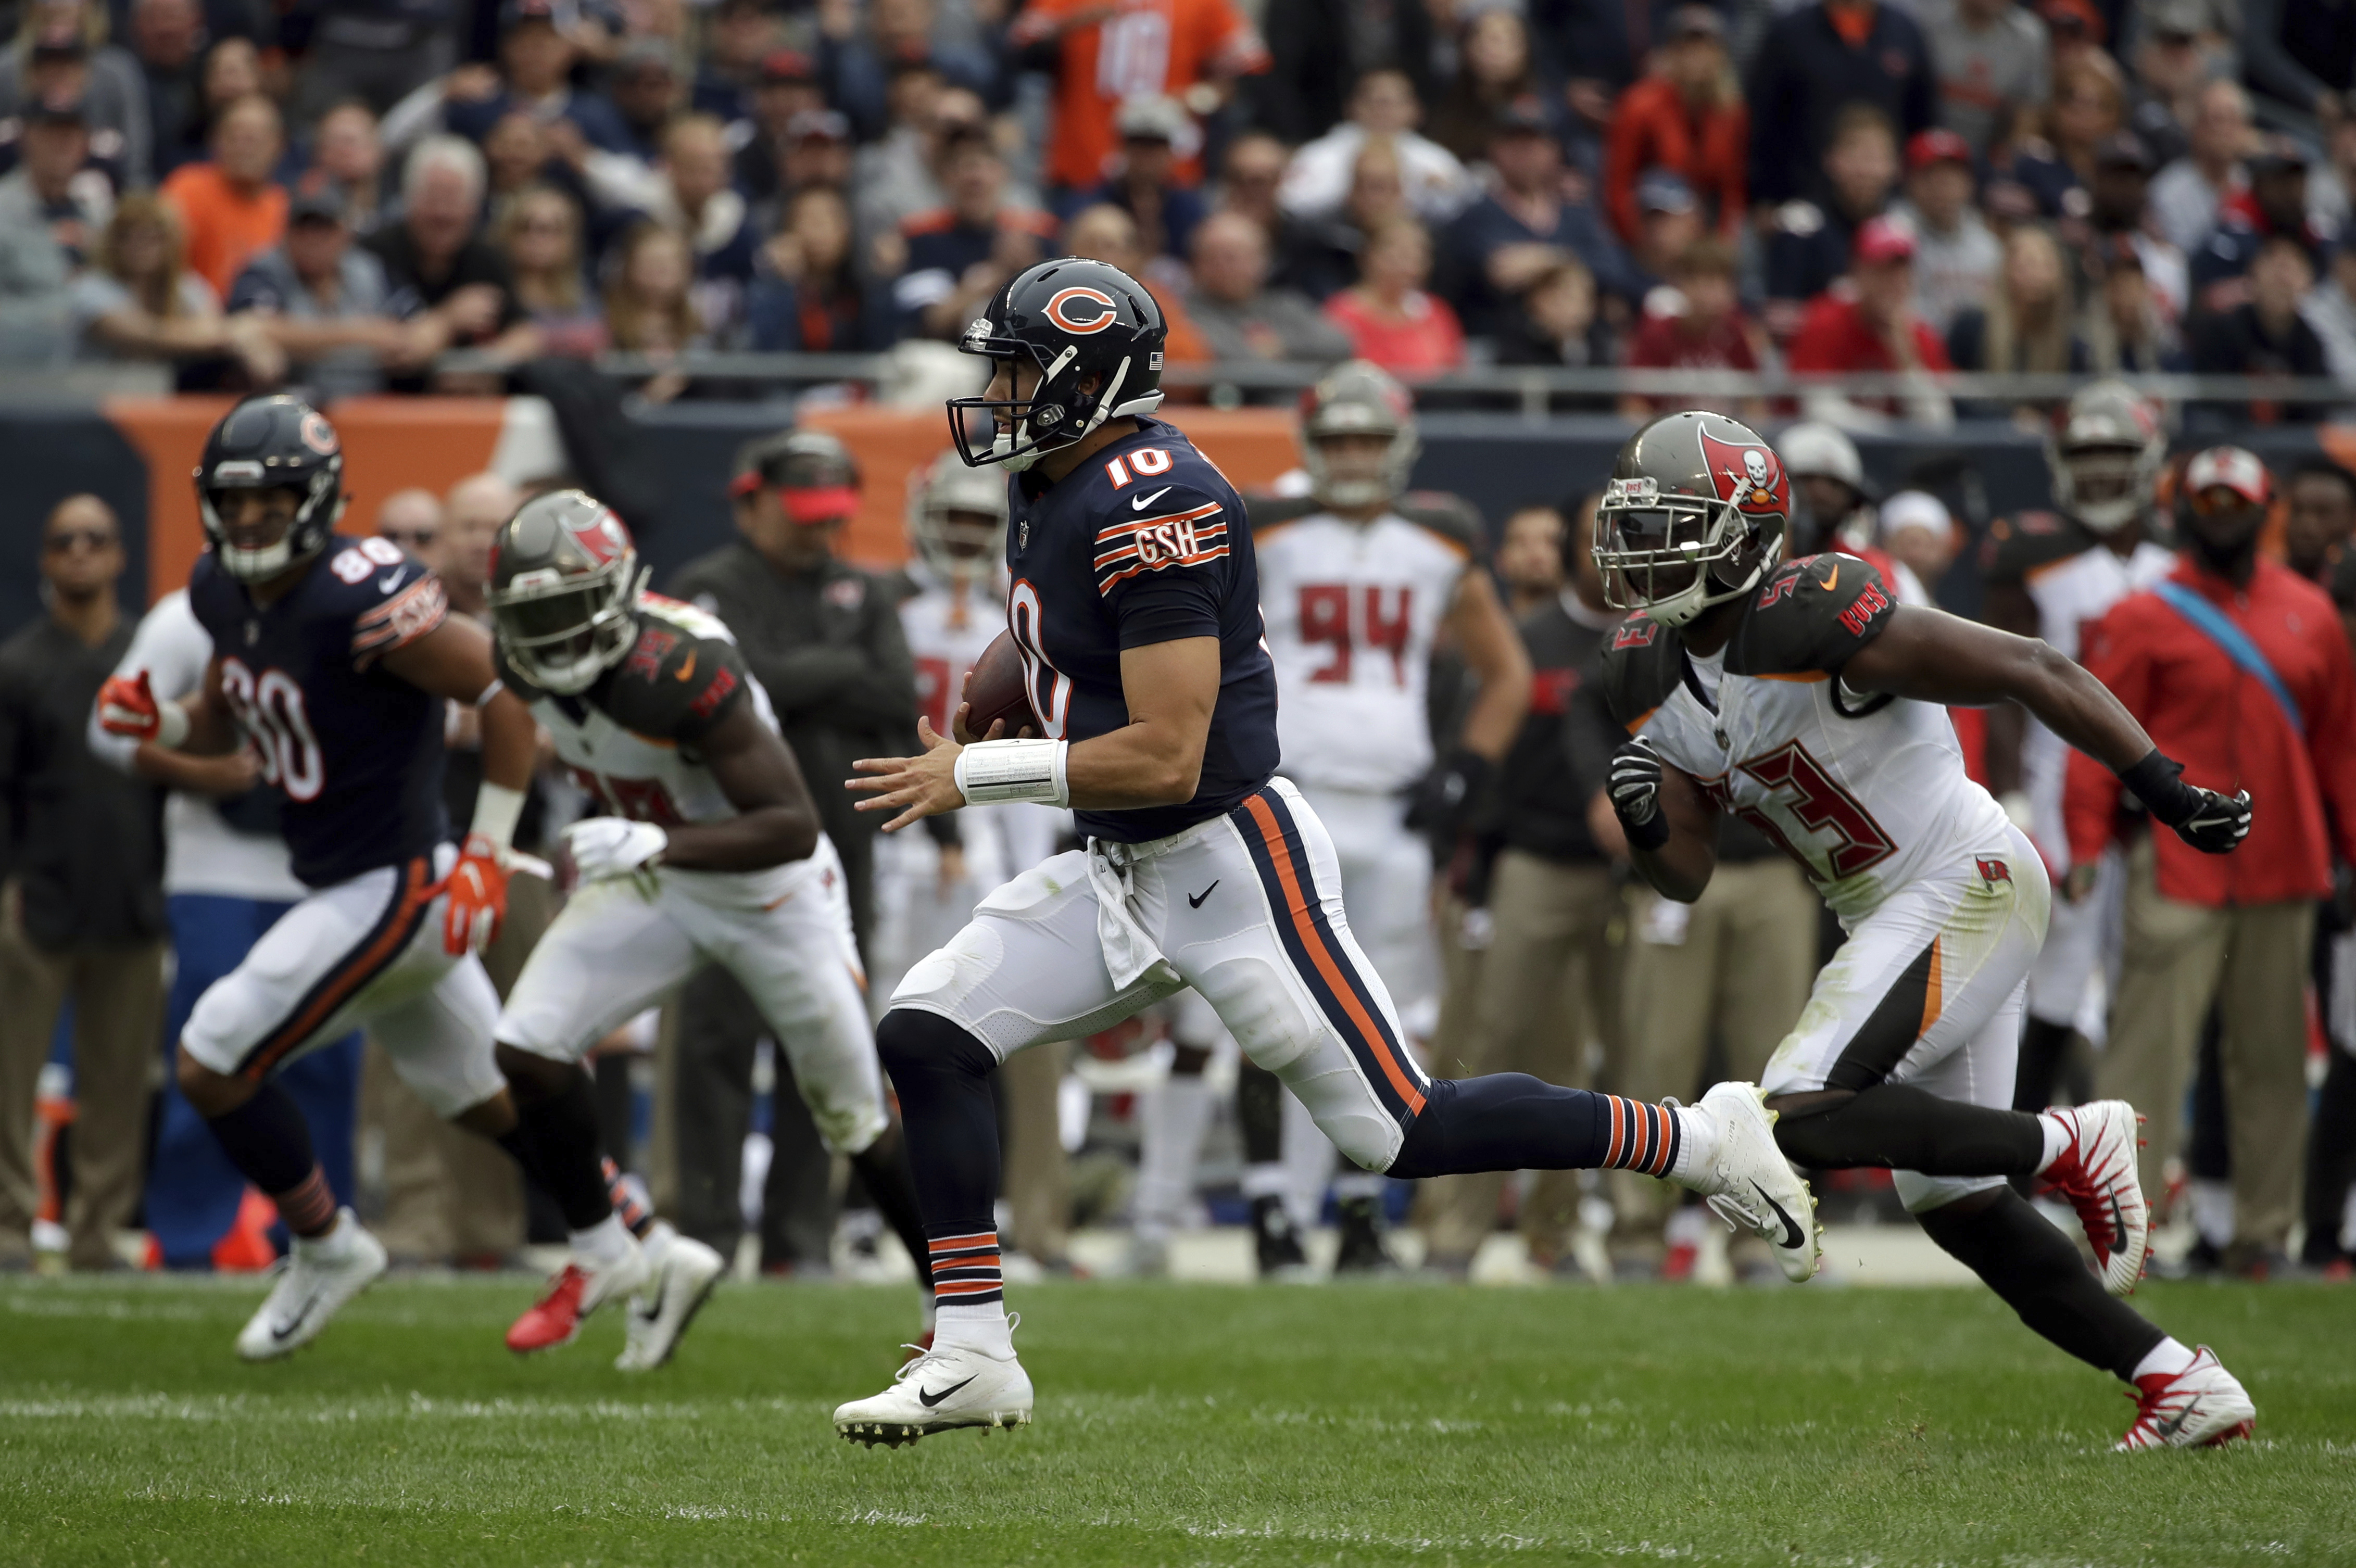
<point x="999" y="688"/>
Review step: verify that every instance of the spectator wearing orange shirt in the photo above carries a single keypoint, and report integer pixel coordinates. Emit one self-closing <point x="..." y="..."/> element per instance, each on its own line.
<point x="229" y="208"/>
<point x="1688" y="116"/>
<point x="1389" y="318"/>
<point x="1867" y="322"/>
<point x="1103" y="55"/>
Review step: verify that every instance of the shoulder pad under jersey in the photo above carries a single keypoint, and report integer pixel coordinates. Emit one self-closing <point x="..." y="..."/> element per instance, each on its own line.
<point x="1643" y="663"/>
<point x="677" y="682"/>
<point x="1810" y="615"/>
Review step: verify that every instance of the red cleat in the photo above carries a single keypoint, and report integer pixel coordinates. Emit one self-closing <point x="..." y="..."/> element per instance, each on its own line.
<point x="556" y="1317"/>
<point x="2098" y="1174"/>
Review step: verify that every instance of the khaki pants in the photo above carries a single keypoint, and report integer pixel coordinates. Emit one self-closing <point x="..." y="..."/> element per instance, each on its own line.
<point x="449" y="1193"/>
<point x="1736" y="966"/>
<point x="1545" y="987"/>
<point x="1037" y="1176"/>
<point x="118" y="997"/>
<point x="2177" y="959"/>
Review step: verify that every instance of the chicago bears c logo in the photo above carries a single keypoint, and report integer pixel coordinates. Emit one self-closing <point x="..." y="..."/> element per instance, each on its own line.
<point x="317" y="434"/>
<point x="1096" y="310"/>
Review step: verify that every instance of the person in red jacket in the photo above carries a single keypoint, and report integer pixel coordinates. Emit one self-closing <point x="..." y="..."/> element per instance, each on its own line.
<point x="1867" y="321"/>
<point x="1688" y="117"/>
<point x="2236" y="665"/>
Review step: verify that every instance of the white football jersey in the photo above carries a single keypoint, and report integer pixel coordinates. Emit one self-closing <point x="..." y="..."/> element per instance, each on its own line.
<point x="1352" y="610"/>
<point x="1868" y="794"/>
<point x="947" y="629"/>
<point x="2074" y="579"/>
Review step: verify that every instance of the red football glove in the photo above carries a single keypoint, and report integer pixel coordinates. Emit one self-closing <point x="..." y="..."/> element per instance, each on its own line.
<point x="476" y="894"/>
<point x="128" y="707"/>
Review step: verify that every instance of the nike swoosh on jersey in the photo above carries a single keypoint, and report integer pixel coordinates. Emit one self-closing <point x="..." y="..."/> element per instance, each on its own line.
<point x="1832" y="577"/>
<point x="1144" y="501"/>
<point x="1793" y="1235"/>
<point x="387" y="584"/>
<point x="687" y="670"/>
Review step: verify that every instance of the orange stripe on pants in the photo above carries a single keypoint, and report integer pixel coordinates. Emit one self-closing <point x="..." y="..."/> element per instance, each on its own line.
<point x="1368" y="1031"/>
<point x="356" y="974"/>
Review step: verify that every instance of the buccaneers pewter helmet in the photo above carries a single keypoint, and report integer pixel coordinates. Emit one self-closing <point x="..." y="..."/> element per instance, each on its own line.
<point x="1359" y="399"/>
<point x="1074" y="319"/>
<point x="564" y="581"/>
<point x="1692" y="516"/>
<point x="944" y="502"/>
<point x="269" y="444"/>
<point x="2106" y="450"/>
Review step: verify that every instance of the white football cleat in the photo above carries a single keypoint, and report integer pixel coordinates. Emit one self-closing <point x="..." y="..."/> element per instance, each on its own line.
<point x="1750" y="1184"/>
<point x="943" y="1388"/>
<point x="2096" y="1172"/>
<point x="2201" y="1407"/>
<point x="683" y="1273"/>
<point x="321" y="1274"/>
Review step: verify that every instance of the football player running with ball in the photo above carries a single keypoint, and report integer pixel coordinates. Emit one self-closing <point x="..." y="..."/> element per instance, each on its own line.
<point x="1135" y="598"/>
<point x="333" y="660"/>
<point x="1797" y="695"/>
<point x="705" y="847"/>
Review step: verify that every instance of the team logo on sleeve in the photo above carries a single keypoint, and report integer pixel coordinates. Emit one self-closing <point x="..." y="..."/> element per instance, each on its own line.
<point x="1748" y="474"/>
<point x="1082" y="310"/>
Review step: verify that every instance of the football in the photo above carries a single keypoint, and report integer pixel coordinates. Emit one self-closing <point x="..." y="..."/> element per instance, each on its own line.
<point x="999" y="688"/>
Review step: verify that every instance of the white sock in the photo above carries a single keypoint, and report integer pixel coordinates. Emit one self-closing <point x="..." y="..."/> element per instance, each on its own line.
<point x="1697" y="1143"/>
<point x="929" y="1309"/>
<point x="2058" y="1137"/>
<point x="1175" y="1117"/>
<point x="2167" y="1358"/>
<point x="980" y="1329"/>
<point x="605" y="1242"/>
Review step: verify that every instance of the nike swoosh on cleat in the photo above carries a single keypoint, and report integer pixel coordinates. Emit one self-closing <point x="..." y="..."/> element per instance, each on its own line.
<point x="930" y="1400"/>
<point x="662" y="1289"/>
<point x="280" y="1332"/>
<point x="1194" y="901"/>
<point x="1144" y="501"/>
<point x="1794" y="1237"/>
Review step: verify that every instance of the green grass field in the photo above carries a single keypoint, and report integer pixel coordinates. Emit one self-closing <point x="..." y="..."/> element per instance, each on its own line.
<point x="1175" y="1426"/>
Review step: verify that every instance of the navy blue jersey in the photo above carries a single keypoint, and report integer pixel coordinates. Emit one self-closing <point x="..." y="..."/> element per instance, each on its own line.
<point x="355" y="751"/>
<point x="1143" y="543"/>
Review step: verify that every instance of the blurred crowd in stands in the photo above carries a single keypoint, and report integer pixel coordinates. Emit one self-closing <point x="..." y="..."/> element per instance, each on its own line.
<point x="332" y="193"/>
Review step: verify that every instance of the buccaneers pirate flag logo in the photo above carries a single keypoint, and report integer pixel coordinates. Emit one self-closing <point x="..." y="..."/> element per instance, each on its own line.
<point x="1747" y="473"/>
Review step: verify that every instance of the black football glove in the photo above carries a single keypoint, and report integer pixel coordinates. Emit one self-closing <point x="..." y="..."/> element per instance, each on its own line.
<point x="2211" y="823"/>
<point x="1448" y="797"/>
<point x="1635" y="789"/>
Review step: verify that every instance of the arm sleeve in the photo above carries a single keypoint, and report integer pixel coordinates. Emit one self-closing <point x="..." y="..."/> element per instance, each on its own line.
<point x="174" y="650"/>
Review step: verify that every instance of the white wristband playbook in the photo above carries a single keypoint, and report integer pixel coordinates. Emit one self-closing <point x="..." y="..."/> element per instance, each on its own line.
<point x="990" y="771"/>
